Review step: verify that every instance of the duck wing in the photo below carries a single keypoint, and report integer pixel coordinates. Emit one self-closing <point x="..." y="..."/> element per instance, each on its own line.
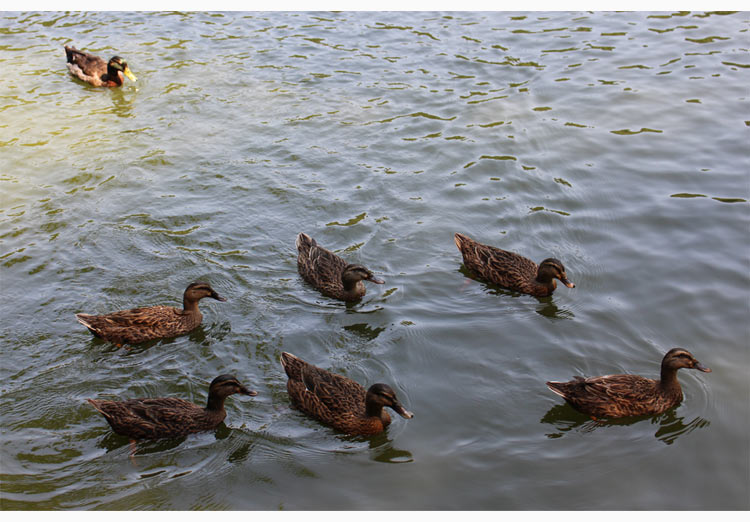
<point x="610" y="395"/>
<point x="136" y="325"/>
<point x="320" y="393"/>
<point x="319" y="266"/>
<point x="85" y="66"/>
<point x="152" y="418"/>
<point x="340" y="394"/>
<point x="499" y="266"/>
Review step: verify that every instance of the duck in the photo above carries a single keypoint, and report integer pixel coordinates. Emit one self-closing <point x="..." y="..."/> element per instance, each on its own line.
<point x="329" y="273"/>
<point x="338" y="401"/>
<point x="511" y="270"/>
<point x="95" y="71"/>
<point x="139" y="325"/>
<point x="169" y="417"/>
<point x="629" y="395"/>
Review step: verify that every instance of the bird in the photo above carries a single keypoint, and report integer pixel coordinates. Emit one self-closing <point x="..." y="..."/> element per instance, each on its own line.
<point x="138" y="325"/>
<point x="170" y="417"/>
<point x="338" y="401"/>
<point x="95" y="71"/>
<point x="629" y="395"/>
<point x="329" y="273"/>
<point x="511" y="270"/>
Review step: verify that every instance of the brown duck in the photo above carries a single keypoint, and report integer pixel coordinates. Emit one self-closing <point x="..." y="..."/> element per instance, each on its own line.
<point x="170" y="417"/>
<point x="511" y="270"/>
<point x="144" y="324"/>
<point x="339" y="401"/>
<point x="92" y="69"/>
<point x="330" y="274"/>
<point x="629" y="395"/>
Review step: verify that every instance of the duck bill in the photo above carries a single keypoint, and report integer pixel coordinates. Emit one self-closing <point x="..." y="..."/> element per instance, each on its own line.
<point x="218" y="297"/>
<point x="698" y="366"/>
<point x="375" y="280"/>
<point x="401" y="411"/>
<point x="245" y="391"/>
<point x="567" y="282"/>
<point x="129" y="74"/>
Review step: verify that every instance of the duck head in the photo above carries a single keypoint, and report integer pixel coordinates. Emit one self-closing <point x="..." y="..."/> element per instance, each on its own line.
<point x="677" y="358"/>
<point x="222" y="387"/>
<point x="380" y="395"/>
<point x="355" y="273"/>
<point x="226" y="385"/>
<point x="198" y="290"/>
<point x="552" y="268"/>
<point x="117" y="67"/>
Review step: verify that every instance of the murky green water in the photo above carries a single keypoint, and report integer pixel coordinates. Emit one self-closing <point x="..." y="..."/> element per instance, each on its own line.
<point x="617" y="142"/>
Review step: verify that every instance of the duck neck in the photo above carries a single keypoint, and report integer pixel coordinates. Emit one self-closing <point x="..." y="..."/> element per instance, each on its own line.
<point x="114" y="76"/>
<point x="669" y="383"/>
<point x="190" y="306"/>
<point x="215" y="403"/>
<point x="545" y="285"/>
<point x="353" y="289"/>
<point x="373" y="409"/>
<point x="544" y="278"/>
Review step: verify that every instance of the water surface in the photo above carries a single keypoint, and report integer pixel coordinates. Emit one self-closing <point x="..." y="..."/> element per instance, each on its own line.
<point x="616" y="142"/>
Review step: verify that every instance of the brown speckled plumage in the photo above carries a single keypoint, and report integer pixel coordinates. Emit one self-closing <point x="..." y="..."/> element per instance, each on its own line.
<point x="170" y="417"/>
<point x="330" y="274"/>
<point x="629" y="395"/>
<point x="337" y="400"/>
<point x="144" y="324"/>
<point x="511" y="270"/>
<point x="95" y="71"/>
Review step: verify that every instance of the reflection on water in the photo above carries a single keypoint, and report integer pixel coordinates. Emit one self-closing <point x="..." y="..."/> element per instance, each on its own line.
<point x="669" y="426"/>
<point x="365" y="330"/>
<point x="390" y="455"/>
<point x="122" y="103"/>
<point x="357" y="308"/>
<point x="381" y="448"/>
<point x="550" y="310"/>
<point x="114" y="442"/>
<point x="547" y="306"/>
<point x="389" y="131"/>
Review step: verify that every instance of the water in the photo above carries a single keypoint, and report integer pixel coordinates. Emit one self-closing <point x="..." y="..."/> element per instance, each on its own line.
<point x="616" y="142"/>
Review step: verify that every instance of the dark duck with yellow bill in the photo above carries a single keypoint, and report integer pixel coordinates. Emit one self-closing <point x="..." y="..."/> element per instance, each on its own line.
<point x="95" y="71"/>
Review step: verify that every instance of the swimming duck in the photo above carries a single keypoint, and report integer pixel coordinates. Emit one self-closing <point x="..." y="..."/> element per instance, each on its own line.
<point x="337" y="400"/>
<point x="629" y="395"/>
<point x="511" y="270"/>
<point x="330" y="274"/>
<point x="144" y="324"/>
<point x="170" y="417"/>
<point x="92" y="69"/>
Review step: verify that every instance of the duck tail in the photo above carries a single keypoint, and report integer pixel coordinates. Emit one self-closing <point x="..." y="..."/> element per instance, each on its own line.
<point x="292" y="365"/>
<point x="460" y="240"/>
<point x="84" y="319"/>
<point x="97" y="406"/>
<point x="69" y="53"/>
<point x="304" y="242"/>
<point x="557" y="387"/>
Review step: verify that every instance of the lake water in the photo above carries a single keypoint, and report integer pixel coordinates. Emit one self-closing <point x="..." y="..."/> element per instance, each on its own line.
<point x="616" y="142"/>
